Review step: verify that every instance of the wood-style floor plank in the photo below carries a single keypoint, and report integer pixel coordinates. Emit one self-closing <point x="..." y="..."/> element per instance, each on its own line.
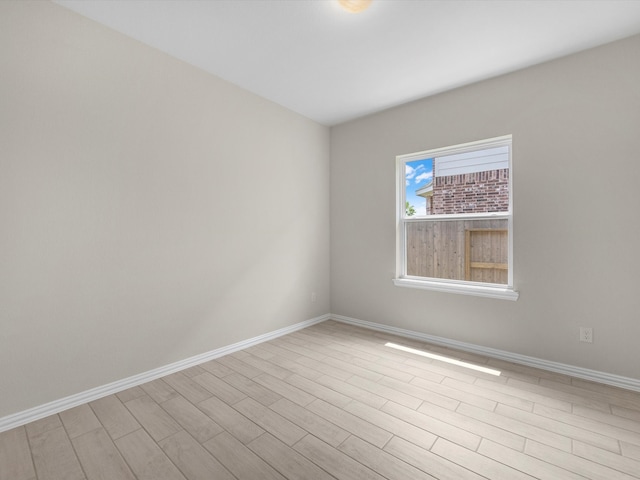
<point x="525" y="395"/>
<point x="146" y="459"/>
<point x="435" y="426"/>
<point x="451" y="393"/>
<point x="463" y="422"/>
<point x="353" y="424"/>
<point x="334" y="401"/>
<point x="130" y="394"/>
<point x="595" y="418"/>
<point x="286" y="460"/>
<point x="216" y="368"/>
<point x="421" y="393"/>
<point x="519" y="428"/>
<point x="239" y="459"/>
<point x="524" y="463"/>
<point x="383" y="391"/>
<point x="560" y="428"/>
<point x="253" y="388"/>
<point x="193" y="460"/>
<point x="43" y="425"/>
<point x="630" y="450"/>
<point x="310" y="422"/>
<point x="351" y="391"/>
<point x="221" y="389"/>
<point x="267" y="367"/>
<point x="409" y="431"/>
<point x="231" y="420"/>
<point x="605" y="389"/>
<point x="79" y="420"/>
<point x="581" y="466"/>
<point x="380" y="461"/>
<point x="346" y="368"/>
<point x="114" y="416"/>
<point x="626" y="413"/>
<point x="550" y="391"/>
<point x="158" y="423"/>
<point x="605" y="457"/>
<point x="100" y="458"/>
<point x="595" y="396"/>
<point x="273" y="423"/>
<point x="492" y="395"/>
<point x="476" y="462"/>
<point x="341" y="372"/>
<point x="335" y="462"/>
<point x="288" y="364"/>
<point x="54" y="456"/>
<point x="15" y="456"/>
<point x="415" y="371"/>
<point x="159" y="390"/>
<point x="307" y="391"/>
<point x="627" y="430"/>
<point x="305" y="349"/>
<point x="429" y="462"/>
<point x="187" y="387"/>
<point x="193" y="371"/>
<point x="192" y="419"/>
<point x="239" y="366"/>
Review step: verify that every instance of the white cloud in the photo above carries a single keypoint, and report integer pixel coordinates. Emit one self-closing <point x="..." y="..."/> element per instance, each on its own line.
<point x="424" y="176"/>
<point x="411" y="172"/>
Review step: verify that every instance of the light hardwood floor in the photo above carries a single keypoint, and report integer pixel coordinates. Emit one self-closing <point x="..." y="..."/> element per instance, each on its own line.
<point x="332" y="401"/>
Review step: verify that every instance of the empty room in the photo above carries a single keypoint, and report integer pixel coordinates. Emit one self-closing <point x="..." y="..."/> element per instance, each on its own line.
<point x="319" y="239"/>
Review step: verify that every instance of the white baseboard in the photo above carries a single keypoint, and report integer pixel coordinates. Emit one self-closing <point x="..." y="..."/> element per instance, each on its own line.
<point x="57" y="406"/>
<point x="579" y="372"/>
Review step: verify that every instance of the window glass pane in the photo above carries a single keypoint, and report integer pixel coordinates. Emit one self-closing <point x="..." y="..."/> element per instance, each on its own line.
<point x="418" y="187"/>
<point x="461" y="183"/>
<point x="470" y="182"/>
<point x="471" y="250"/>
<point x="455" y="217"/>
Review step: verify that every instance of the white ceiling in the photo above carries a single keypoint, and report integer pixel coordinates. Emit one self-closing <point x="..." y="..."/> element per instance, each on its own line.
<point x="332" y="66"/>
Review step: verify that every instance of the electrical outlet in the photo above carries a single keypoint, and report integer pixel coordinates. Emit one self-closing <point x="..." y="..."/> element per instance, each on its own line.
<point x="314" y="297"/>
<point x="586" y="334"/>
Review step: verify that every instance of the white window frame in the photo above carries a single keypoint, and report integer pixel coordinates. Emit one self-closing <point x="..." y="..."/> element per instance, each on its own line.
<point x="508" y="291"/>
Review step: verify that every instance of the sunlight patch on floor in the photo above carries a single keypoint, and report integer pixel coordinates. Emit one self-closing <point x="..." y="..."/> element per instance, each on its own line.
<point x="452" y="361"/>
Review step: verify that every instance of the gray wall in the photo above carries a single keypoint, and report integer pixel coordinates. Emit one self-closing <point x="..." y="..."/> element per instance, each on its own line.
<point x="576" y="143"/>
<point x="149" y="212"/>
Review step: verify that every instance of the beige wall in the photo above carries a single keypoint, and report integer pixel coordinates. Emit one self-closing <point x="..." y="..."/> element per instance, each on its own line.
<point x="149" y="212"/>
<point x="576" y="170"/>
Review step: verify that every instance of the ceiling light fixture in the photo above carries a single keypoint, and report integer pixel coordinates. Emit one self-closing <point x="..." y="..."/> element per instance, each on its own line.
<point x="354" y="6"/>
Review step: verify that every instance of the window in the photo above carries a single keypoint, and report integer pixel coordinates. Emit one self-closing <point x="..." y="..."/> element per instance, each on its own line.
<point x="455" y="219"/>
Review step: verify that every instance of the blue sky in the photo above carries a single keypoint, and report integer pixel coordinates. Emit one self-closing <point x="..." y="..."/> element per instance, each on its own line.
<point x="417" y="174"/>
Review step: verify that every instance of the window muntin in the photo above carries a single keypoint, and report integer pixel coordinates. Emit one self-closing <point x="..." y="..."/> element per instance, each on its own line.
<point x="455" y="217"/>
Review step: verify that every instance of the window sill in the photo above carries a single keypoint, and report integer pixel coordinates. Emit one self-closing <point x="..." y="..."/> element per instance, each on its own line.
<point x="459" y="288"/>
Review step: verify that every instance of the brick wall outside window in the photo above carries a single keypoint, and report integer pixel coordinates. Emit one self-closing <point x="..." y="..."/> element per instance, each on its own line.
<point x="478" y="192"/>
